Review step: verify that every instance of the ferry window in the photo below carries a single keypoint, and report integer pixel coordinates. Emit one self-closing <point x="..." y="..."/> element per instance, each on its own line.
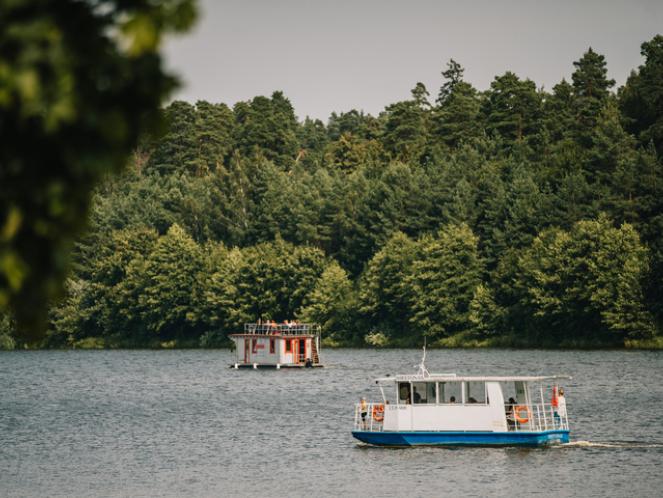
<point x="288" y="346"/>
<point x="404" y="393"/>
<point x="509" y="392"/>
<point x="475" y="392"/>
<point x="449" y="392"/>
<point x="423" y="392"/>
<point x="430" y="387"/>
<point x="271" y="346"/>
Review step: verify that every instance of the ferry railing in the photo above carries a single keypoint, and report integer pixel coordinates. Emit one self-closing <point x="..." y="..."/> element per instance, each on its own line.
<point x="368" y="423"/>
<point x="282" y="328"/>
<point x="540" y="417"/>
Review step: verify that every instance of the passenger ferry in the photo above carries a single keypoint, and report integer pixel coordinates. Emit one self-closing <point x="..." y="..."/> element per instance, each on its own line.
<point x="447" y="409"/>
<point x="277" y="345"/>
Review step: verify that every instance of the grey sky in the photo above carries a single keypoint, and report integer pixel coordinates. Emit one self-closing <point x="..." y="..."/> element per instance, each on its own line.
<point x="338" y="55"/>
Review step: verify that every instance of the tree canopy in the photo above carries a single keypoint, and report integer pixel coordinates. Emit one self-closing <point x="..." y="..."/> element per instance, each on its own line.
<point x="510" y="216"/>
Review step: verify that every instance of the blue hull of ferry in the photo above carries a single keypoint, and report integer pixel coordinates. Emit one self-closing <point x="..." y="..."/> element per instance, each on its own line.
<point x="424" y="438"/>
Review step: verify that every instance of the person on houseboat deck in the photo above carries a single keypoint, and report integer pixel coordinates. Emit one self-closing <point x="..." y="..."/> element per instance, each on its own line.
<point x="363" y="409"/>
<point x="452" y="399"/>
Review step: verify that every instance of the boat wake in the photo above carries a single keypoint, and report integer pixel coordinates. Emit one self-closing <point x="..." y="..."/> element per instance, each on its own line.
<point x="611" y="444"/>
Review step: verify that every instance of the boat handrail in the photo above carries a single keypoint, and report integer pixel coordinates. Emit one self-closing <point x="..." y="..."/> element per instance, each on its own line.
<point x="369" y="423"/>
<point x="282" y="328"/>
<point x="540" y="417"/>
<point x="432" y="377"/>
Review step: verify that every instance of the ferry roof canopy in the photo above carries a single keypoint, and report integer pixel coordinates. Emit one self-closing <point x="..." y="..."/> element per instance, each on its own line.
<point x="442" y="377"/>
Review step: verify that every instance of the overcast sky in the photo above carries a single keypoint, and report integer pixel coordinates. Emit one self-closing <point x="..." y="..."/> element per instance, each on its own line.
<point x="337" y="55"/>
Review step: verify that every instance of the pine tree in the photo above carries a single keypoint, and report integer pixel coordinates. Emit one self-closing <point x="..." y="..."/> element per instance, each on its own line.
<point x="559" y="112"/>
<point x="349" y="153"/>
<point x="591" y="89"/>
<point x="454" y="76"/>
<point x="214" y="135"/>
<point x="267" y="127"/>
<point x="312" y="138"/>
<point x="457" y="120"/>
<point x="231" y="198"/>
<point x="176" y="151"/>
<point x="641" y="99"/>
<point x="612" y="164"/>
<point x="406" y="131"/>
<point x="513" y="108"/>
<point x="357" y="123"/>
<point x="420" y="96"/>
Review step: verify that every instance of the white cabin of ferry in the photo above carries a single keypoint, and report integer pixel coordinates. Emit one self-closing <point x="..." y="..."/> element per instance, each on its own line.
<point x="277" y="345"/>
<point x="447" y="402"/>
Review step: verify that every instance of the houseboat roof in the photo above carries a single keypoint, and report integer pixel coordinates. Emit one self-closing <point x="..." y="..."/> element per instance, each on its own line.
<point x="273" y="328"/>
<point x="441" y="377"/>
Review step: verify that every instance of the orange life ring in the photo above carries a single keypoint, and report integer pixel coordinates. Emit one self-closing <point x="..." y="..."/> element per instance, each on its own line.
<point x="378" y="412"/>
<point x="518" y="417"/>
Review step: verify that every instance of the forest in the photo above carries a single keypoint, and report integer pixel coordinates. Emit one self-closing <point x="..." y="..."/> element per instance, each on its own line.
<point x="512" y="217"/>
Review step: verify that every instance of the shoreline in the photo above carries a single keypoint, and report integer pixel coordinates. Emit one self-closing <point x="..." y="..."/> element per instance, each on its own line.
<point x="637" y="346"/>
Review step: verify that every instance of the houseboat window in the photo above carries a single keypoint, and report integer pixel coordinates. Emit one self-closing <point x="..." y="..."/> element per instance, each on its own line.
<point x="423" y="392"/>
<point x="475" y="392"/>
<point x="288" y="346"/>
<point x="271" y="346"/>
<point x="404" y="393"/>
<point x="449" y="392"/>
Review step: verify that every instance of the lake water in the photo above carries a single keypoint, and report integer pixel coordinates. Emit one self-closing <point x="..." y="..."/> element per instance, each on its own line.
<point x="181" y="423"/>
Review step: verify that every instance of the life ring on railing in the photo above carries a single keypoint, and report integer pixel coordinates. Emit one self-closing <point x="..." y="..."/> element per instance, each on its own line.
<point x="517" y="414"/>
<point x="378" y="412"/>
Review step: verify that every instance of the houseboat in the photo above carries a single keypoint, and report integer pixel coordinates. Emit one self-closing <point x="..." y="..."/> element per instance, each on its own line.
<point x="277" y="345"/>
<point x="451" y="410"/>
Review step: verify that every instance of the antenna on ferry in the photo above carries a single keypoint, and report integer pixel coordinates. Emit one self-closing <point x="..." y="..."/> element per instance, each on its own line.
<point x="423" y="371"/>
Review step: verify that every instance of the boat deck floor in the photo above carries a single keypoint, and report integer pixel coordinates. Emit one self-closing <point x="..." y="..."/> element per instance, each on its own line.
<point x="278" y="367"/>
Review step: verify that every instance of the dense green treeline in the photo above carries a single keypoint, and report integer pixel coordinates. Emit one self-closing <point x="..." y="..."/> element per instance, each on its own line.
<point x="510" y="216"/>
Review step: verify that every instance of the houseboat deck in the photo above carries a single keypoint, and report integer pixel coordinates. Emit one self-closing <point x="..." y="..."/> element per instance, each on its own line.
<point x="256" y="366"/>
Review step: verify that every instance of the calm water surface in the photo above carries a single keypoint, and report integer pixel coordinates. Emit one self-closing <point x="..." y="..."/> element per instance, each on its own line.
<point x="180" y="423"/>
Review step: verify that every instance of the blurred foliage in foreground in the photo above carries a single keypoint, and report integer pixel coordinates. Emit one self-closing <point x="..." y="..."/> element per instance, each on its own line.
<point x="80" y="82"/>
